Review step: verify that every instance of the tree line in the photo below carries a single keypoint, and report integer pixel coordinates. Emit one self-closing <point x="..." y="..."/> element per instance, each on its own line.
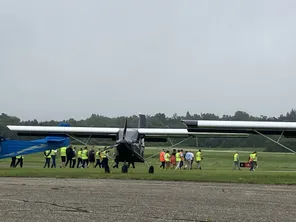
<point x="160" y="120"/>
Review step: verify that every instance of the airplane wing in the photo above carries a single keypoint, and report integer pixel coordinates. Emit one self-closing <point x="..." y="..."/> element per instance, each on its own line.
<point x="166" y="132"/>
<point x="104" y="132"/>
<point x="94" y="132"/>
<point x="288" y="129"/>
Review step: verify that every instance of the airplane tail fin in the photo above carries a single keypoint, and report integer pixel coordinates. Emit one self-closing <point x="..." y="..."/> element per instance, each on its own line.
<point x="10" y="148"/>
<point x="142" y="121"/>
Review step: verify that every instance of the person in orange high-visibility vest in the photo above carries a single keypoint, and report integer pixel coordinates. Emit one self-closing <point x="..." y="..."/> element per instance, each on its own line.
<point x="161" y="159"/>
<point x="173" y="159"/>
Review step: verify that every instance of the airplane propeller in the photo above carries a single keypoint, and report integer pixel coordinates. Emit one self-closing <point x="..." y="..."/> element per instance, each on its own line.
<point x="125" y="128"/>
<point x="123" y="137"/>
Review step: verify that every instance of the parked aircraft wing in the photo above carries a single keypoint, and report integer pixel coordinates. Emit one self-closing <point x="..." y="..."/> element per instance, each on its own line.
<point x="166" y="132"/>
<point x="95" y="132"/>
<point x="105" y="132"/>
<point x="288" y="129"/>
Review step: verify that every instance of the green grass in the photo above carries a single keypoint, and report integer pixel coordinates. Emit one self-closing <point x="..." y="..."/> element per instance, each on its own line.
<point x="274" y="168"/>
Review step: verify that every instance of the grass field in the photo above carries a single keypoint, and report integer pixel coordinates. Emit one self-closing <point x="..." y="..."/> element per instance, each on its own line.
<point x="274" y="168"/>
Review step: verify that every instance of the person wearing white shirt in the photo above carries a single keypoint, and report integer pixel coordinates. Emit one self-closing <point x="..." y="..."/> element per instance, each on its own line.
<point x="189" y="157"/>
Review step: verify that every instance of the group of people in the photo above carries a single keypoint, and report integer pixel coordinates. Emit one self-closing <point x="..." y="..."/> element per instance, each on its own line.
<point x="252" y="161"/>
<point x="83" y="157"/>
<point x="179" y="159"/>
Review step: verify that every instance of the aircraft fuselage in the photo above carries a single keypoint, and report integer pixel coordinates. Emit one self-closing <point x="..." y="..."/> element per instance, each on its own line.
<point x="129" y="152"/>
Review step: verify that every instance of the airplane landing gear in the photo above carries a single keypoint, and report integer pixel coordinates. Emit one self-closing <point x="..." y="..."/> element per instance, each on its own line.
<point x="124" y="168"/>
<point x="151" y="169"/>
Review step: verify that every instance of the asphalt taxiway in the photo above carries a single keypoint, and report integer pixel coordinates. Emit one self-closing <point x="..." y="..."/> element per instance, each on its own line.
<point x="46" y="199"/>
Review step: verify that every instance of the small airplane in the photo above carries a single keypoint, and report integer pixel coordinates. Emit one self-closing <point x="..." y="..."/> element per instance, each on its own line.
<point x="130" y="142"/>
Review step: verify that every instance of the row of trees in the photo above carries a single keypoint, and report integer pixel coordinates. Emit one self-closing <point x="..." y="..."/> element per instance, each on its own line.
<point x="160" y="120"/>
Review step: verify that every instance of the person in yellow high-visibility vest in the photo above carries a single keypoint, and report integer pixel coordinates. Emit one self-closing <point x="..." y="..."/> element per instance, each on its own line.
<point x="53" y="158"/>
<point x="84" y="157"/>
<point x="182" y="158"/>
<point x="178" y="160"/>
<point x="79" y="158"/>
<point x="255" y="160"/>
<point x="236" y="161"/>
<point x="198" y="159"/>
<point x="251" y="158"/>
<point x="63" y="156"/>
<point x="104" y="158"/>
<point x="167" y="159"/>
<point x="47" y="155"/>
<point x="20" y="160"/>
<point x="98" y="159"/>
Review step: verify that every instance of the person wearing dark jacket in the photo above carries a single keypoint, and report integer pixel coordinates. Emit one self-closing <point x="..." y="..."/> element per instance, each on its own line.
<point x="13" y="159"/>
<point x="69" y="154"/>
<point x="91" y="158"/>
<point x="73" y="157"/>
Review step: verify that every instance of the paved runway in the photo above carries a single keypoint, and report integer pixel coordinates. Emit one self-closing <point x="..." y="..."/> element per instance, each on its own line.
<point x="43" y="199"/>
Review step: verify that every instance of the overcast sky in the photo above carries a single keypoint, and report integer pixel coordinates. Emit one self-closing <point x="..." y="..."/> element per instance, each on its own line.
<point x="61" y="59"/>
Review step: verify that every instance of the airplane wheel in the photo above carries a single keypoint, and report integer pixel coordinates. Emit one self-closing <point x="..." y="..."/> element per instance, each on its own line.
<point x="151" y="169"/>
<point x="107" y="169"/>
<point x="124" y="168"/>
